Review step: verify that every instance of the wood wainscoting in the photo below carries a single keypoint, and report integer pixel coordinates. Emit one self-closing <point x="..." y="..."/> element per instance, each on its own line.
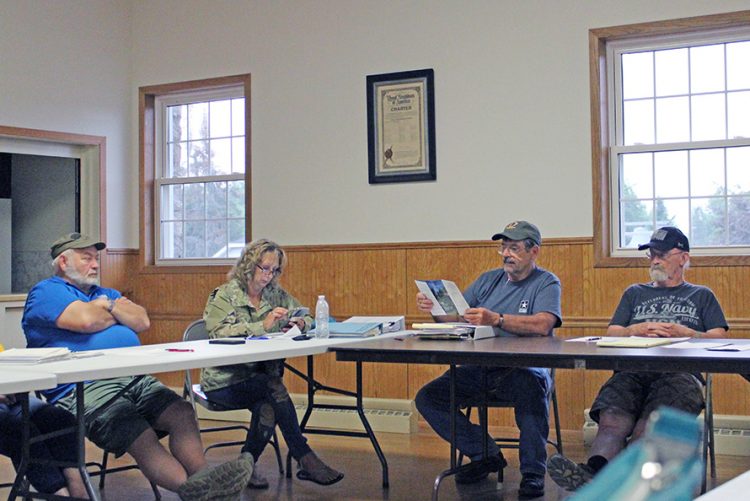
<point x="378" y="279"/>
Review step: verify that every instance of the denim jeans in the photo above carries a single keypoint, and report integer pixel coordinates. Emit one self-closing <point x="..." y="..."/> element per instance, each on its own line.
<point x="527" y="388"/>
<point x="268" y="400"/>
<point x="45" y="418"/>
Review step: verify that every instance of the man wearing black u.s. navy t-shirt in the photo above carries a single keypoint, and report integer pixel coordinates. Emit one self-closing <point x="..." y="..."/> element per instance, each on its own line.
<point x="668" y="306"/>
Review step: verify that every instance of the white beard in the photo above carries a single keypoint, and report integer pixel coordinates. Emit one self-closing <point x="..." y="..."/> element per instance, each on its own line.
<point x="77" y="279"/>
<point x="658" y="275"/>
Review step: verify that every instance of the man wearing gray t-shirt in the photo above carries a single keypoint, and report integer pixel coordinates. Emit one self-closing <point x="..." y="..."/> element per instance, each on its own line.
<point x="668" y="306"/>
<point x="520" y="299"/>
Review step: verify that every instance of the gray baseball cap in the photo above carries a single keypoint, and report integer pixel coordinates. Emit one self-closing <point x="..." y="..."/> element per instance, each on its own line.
<point x="74" y="241"/>
<point x="520" y="230"/>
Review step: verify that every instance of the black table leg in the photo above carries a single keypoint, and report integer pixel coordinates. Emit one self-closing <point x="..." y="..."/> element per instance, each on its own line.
<point x="452" y="470"/>
<point x="312" y="387"/>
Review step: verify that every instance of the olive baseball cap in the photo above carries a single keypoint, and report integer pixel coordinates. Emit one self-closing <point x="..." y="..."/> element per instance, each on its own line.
<point x="74" y="241"/>
<point x="520" y="230"/>
<point x="667" y="238"/>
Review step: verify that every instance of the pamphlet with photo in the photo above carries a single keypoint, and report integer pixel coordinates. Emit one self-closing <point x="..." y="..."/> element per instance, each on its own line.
<point x="449" y="304"/>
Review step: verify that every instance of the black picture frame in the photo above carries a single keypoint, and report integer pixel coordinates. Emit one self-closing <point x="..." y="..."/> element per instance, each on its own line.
<point x="401" y="127"/>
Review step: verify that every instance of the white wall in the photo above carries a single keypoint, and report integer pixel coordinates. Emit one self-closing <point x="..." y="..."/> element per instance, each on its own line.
<point x="512" y="106"/>
<point x="65" y="66"/>
<point x="512" y="101"/>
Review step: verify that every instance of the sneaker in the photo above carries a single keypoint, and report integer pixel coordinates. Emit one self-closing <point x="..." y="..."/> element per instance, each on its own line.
<point x="479" y="470"/>
<point x="532" y="486"/>
<point x="257" y="481"/>
<point x="224" y="482"/>
<point x="567" y="474"/>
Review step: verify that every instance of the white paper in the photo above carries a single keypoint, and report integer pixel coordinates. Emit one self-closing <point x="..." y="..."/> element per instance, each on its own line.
<point x="294" y="331"/>
<point x="731" y="347"/>
<point x="689" y="345"/>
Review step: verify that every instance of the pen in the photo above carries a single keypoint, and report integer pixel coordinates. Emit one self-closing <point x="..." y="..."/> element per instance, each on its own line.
<point x="251" y="338"/>
<point x="593" y="338"/>
<point x="180" y="350"/>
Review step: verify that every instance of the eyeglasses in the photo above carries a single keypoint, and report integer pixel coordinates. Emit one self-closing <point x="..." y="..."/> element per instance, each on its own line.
<point x="268" y="271"/>
<point x="514" y="248"/>
<point x="652" y="254"/>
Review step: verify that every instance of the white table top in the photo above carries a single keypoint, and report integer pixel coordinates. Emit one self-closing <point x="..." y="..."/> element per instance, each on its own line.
<point x="736" y="488"/>
<point x="154" y="358"/>
<point x="18" y="381"/>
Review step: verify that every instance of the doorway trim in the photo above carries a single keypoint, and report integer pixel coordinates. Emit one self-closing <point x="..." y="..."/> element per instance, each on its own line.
<point x="90" y="150"/>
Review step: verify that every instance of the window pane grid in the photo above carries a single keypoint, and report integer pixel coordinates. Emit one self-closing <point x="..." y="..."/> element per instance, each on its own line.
<point x="641" y="104"/>
<point x="188" y="135"/>
<point x="706" y="206"/>
<point x="201" y="190"/>
<point x="680" y="151"/>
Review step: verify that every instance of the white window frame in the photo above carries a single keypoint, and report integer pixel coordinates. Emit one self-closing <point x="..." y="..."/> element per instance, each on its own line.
<point x="614" y="49"/>
<point x="161" y="104"/>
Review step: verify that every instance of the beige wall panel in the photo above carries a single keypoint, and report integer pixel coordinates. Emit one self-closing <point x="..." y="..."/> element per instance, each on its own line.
<point x="119" y="270"/>
<point x="354" y="281"/>
<point x="731" y="394"/>
<point x="170" y="294"/>
<point x="566" y="261"/>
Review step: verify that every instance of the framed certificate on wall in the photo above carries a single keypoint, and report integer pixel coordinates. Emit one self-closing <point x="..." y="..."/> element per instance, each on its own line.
<point x="401" y="126"/>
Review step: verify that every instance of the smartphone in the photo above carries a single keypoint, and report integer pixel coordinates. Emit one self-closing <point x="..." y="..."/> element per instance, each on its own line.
<point x="299" y="312"/>
<point x="227" y="340"/>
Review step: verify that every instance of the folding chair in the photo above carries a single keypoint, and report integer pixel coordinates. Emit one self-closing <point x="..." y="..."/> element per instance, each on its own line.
<point x="103" y="470"/>
<point x="486" y="402"/>
<point x="709" y="445"/>
<point x="197" y="331"/>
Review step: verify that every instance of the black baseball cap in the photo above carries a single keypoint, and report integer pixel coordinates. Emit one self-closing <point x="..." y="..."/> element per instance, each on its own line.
<point x="74" y="241"/>
<point x="519" y="230"/>
<point x="667" y="238"/>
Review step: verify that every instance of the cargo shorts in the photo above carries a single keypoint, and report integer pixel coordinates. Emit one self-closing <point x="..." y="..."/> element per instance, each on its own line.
<point x="123" y="421"/>
<point x="641" y="393"/>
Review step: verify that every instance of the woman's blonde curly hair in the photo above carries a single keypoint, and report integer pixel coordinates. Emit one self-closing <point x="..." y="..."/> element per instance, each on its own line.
<point x="251" y="256"/>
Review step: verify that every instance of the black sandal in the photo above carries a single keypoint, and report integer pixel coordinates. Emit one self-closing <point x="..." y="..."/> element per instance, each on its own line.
<point x="304" y="475"/>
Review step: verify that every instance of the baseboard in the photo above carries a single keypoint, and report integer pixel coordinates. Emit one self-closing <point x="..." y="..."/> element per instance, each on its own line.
<point x="383" y="414"/>
<point x="731" y="433"/>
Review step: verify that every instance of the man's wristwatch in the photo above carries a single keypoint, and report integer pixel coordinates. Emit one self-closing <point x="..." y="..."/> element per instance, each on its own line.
<point x="502" y="320"/>
<point x="111" y="305"/>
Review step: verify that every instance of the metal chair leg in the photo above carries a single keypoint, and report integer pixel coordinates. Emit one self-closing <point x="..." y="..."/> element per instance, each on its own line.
<point x="275" y="444"/>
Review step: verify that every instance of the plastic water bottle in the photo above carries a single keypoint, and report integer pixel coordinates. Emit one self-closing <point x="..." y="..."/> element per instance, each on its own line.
<point x="321" y="318"/>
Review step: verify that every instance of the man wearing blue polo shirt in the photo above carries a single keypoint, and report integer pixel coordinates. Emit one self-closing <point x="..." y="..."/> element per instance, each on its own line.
<point x="71" y="310"/>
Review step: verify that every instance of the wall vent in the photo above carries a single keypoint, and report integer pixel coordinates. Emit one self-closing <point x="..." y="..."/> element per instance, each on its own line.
<point x="384" y="415"/>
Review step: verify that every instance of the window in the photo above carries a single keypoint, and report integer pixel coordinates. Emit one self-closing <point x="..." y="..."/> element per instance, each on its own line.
<point x="200" y="171"/>
<point x="672" y="141"/>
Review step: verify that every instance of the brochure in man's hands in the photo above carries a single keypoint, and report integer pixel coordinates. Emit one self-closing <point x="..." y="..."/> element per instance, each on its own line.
<point x="449" y="304"/>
